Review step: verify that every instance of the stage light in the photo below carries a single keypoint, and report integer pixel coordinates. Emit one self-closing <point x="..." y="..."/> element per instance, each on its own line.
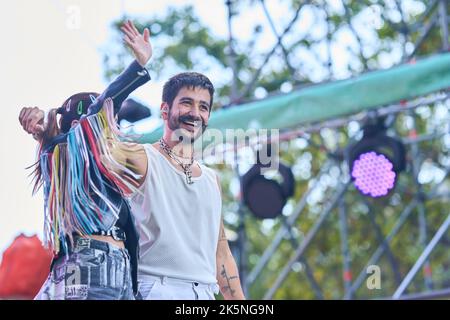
<point x="373" y="174"/>
<point x="133" y="111"/>
<point x="265" y="197"/>
<point x="375" y="161"/>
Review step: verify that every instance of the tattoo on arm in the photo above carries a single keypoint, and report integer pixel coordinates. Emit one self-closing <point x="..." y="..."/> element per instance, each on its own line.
<point x="228" y="278"/>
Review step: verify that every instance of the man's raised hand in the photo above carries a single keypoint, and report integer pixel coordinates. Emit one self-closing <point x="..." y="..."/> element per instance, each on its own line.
<point x="138" y="43"/>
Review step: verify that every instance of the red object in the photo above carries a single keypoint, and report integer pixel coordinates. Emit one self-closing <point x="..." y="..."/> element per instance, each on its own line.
<point x="427" y="271"/>
<point x="413" y="134"/>
<point x="24" y="268"/>
<point x="347" y="276"/>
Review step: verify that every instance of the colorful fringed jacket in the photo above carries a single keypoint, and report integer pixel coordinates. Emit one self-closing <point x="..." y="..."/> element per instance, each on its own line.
<point x="84" y="184"/>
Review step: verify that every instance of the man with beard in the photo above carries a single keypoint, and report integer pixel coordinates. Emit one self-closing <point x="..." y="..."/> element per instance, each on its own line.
<point x="184" y="250"/>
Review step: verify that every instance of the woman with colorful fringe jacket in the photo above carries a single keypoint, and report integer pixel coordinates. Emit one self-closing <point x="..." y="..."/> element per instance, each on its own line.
<point x="82" y="167"/>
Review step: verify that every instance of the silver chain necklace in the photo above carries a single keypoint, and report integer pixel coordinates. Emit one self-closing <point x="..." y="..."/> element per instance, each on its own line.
<point x="186" y="167"/>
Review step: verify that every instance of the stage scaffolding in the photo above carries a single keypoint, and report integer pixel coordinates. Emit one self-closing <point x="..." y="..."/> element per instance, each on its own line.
<point x="435" y="16"/>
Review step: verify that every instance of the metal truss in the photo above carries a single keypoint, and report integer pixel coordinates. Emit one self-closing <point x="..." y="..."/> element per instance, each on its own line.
<point x="435" y="16"/>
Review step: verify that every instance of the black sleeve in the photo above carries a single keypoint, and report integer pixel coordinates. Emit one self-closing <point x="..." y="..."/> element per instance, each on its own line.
<point x="129" y="80"/>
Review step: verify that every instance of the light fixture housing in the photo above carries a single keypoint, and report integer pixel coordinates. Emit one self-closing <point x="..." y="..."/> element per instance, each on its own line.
<point x="265" y="197"/>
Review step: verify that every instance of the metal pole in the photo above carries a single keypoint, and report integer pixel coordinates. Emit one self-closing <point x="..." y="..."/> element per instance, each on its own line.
<point x="444" y="24"/>
<point x="329" y="42"/>
<point x="309" y="273"/>
<point x="348" y="19"/>
<point x="444" y="293"/>
<point x="423" y="241"/>
<point x="307" y="241"/>
<point x="424" y="33"/>
<point x="286" y="30"/>
<point x="242" y="237"/>
<point x="387" y="249"/>
<point x="421" y="206"/>
<point x="404" y="29"/>
<point x="423" y="257"/>
<point x="275" y="32"/>
<point x="346" y="259"/>
<point x="381" y="248"/>
<point x="429" y="9"/>
<point x="312" y="280"/>
<point x="232" y="54"/>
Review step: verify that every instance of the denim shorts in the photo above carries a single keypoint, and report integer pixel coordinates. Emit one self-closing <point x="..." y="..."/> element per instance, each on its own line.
<point x="93" y="270"/>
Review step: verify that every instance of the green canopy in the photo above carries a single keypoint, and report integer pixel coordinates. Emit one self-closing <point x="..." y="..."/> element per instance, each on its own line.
<point x="334" y="99"/>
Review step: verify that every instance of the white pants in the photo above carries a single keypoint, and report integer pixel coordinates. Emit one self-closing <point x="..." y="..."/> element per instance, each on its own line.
<point x="164" y="288"/>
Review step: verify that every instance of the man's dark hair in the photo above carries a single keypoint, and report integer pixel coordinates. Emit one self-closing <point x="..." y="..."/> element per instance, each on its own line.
<point x="189" y="80"/>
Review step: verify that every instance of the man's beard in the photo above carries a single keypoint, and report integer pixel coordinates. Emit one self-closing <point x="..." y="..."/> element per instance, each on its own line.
<point x="175" y="125"/>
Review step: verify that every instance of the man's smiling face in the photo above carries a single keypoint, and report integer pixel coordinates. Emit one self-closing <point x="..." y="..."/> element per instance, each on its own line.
<point x="189" y="113"/>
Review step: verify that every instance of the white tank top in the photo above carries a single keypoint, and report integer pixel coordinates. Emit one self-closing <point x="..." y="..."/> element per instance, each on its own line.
<point x="178" y="223"/>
